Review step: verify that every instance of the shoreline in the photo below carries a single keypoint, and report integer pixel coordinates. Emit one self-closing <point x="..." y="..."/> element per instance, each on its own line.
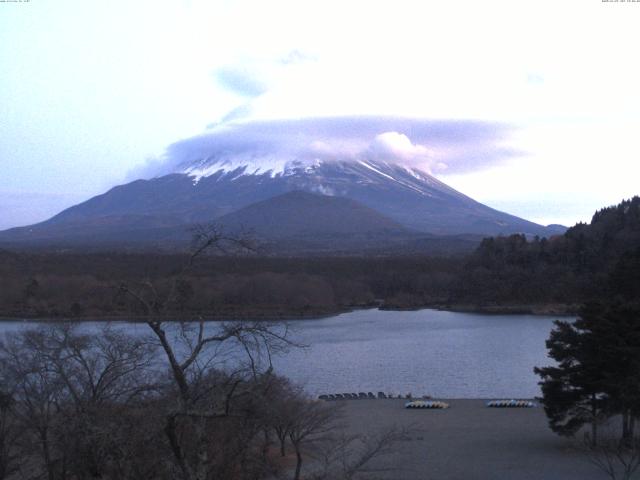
<point x="561" y="310"/>
<point x="207" y="317"/>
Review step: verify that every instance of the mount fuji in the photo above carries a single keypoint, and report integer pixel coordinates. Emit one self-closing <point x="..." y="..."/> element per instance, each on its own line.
<point x="320" y="200"/>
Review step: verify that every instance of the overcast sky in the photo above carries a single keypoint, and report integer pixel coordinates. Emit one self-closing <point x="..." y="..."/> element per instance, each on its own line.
<point x="532" y="107"/>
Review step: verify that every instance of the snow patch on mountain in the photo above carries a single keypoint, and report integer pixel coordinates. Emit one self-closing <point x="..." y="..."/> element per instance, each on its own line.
<point x="303" y="154"/>
<point x="370" y="167"/>
<point x="240" y="166"/>
<point x="316" y="175"/>
<point x="271" y="166"/>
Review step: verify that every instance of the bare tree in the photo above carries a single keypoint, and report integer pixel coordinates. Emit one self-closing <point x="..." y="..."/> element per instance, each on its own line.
<point x="95" y="369"/>
<point x="618" y="458"/>
<point x="310" y="421"/>
<point x="281" y="401"/>
<point x="67" y="386"/>
<point x="315" y="432"/>
<point x="37" y="392"/>
<point x="191" y="349"/>
<point x="346" y="457"/>
<point x="9" y="435"/>
<point x="103" y="376"/>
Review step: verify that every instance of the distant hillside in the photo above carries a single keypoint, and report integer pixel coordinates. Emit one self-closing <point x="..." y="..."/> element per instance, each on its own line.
<point x="300" y="213"/>
<point x="298" y="223"/>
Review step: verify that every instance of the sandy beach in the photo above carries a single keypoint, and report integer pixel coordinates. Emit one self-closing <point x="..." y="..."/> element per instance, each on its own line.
<point x="471" y="441"/>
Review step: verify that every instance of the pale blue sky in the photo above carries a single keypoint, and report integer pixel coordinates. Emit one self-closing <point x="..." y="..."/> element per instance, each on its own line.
<point x="90" y="90"/>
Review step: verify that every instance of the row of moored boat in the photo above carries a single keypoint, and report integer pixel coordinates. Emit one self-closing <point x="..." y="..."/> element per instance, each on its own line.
<point x="426" y="402"/>
<point x="510" y="404"/>
<point x="492" y="404"/>
<point x="353" y="396"/>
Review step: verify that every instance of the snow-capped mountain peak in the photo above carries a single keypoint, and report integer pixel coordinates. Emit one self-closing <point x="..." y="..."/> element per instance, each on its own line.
<point x="264" y="165"/>
<point x="328" y="177"/>
<point x="214" y="188"/>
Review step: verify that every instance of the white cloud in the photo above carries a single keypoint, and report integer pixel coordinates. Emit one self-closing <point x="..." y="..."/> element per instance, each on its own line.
<point x="397" y="147"/>
<point x="431" y="145"/>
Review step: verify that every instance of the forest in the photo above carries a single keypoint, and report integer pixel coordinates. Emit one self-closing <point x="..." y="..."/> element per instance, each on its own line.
<point x="76" y="285"/>
<point x="504" y="274"/>
<point x="570" y="269"/>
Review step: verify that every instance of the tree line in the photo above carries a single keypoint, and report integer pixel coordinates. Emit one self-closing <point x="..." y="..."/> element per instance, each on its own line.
<point x="85" y="285"/>
<point x="568" y="269"/>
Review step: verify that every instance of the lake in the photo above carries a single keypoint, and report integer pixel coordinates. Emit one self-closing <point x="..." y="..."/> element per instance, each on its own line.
<point x="442" y="354"/>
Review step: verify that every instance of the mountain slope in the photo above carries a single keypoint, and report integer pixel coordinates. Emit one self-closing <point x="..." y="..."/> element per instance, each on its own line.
<point x="113" y="231"/>
<point x="298" y="223"/>
<point x="209" y="189"/>
<point x="300" y="213"/>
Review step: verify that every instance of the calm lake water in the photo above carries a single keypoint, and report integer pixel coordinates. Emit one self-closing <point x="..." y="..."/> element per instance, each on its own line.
<point x="443" y="354"/>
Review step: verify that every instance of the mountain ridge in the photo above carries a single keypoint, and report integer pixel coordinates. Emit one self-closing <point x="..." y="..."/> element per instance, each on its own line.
<point x="209" y="190"/>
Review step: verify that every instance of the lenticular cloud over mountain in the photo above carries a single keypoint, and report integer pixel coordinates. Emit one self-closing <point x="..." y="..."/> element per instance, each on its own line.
<point x="270" y="146"/>
<point x="372" y="175"/>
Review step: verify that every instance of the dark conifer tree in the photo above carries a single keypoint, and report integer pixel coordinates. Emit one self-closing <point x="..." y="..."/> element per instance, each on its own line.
<point x="573" y="391"/>
<point x="598" y="370"/>
<point x="624" y="281"/>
